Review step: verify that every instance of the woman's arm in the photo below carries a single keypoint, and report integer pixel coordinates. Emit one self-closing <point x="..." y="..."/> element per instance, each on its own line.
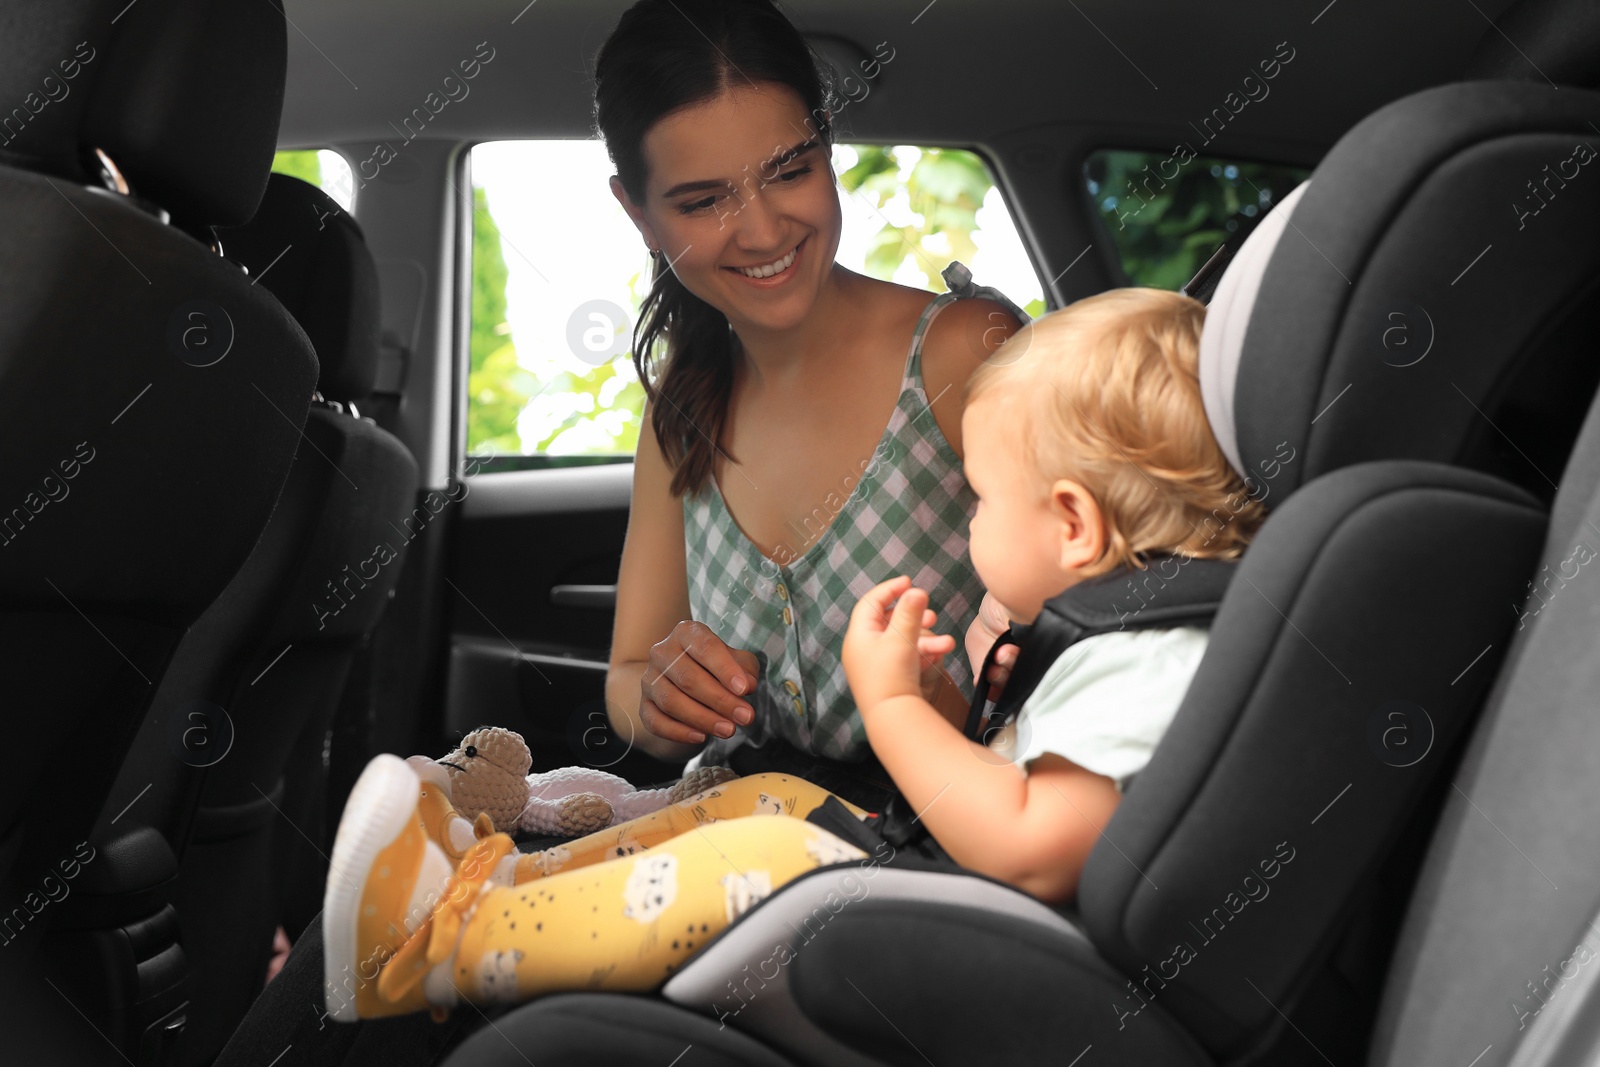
<point x="962" y="336"/>
<point x="652" y="596"/>
<point x="672" y="682"/>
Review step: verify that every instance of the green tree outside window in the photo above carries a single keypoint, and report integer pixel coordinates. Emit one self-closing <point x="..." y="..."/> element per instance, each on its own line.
<point x="299" y="164"/>
<point x="1165" y="229"/>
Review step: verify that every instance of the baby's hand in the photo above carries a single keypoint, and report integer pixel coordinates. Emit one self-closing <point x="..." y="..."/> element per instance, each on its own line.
<point x="890" y="649"/>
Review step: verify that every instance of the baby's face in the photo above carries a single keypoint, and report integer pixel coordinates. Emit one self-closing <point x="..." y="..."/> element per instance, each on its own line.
<point x="1016" y="537"/>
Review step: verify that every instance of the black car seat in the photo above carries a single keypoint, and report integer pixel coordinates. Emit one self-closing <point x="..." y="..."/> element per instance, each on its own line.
<point x="1501" y="931"/>
<point x="335" y="296"/>
<point x="1498" y="951"/>
<point x="152" y="400"/>
<point x="1255" y="871"/>
<point x="269" y="659"/>
<point x="1552" y="42"/>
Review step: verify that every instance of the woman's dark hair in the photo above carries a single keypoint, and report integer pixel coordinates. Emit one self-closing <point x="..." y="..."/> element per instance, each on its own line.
<point x="665" y="55"/>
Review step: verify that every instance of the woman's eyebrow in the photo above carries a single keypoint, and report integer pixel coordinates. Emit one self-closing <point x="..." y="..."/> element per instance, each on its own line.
<point x="789" y="155"/>
<point x="783" y="158"/>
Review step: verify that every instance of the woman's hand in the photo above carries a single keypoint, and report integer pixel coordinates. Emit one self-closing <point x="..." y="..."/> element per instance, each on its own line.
<point x="696" y="685"/>
<point x="1000" y="673"/>
<point x="890" y="649"/>
<point x="990" y="622"/>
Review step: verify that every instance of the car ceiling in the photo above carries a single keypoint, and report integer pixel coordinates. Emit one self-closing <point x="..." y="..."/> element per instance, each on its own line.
<point x="964" y="71"/>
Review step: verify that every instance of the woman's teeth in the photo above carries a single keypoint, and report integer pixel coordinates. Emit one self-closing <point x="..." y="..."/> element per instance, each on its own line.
<point x="771" y="268"/>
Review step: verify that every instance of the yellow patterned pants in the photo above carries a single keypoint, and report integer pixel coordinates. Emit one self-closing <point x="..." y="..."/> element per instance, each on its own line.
<point x="623" y="908"/>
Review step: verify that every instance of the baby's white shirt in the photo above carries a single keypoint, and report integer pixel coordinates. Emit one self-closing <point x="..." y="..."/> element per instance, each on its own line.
<point x="1105" y="702"/>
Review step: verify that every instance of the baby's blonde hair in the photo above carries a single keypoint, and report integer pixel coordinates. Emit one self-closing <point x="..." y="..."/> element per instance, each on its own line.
<point x="1106" y="392"/>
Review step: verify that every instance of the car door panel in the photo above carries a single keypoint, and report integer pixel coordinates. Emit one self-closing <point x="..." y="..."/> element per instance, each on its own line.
<point x="531" y="590"/>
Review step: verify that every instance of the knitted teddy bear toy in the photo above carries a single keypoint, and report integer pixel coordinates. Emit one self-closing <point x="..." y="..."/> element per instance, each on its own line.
<point x="488" y="774"/>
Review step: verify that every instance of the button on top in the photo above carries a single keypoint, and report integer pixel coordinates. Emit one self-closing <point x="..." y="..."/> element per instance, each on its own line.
<point x="783" y="592"/>
<point x="793" y="690"/>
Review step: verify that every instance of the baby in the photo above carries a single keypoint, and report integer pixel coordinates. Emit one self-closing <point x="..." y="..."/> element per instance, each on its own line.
<point x="1088" y="448"/>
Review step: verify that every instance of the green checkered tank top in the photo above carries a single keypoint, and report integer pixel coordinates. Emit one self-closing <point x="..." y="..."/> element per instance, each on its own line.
<point x="907" y="514"/>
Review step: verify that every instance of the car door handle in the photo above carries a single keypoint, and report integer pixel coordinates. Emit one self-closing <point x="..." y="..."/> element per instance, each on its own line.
<point x="584" y="596"/>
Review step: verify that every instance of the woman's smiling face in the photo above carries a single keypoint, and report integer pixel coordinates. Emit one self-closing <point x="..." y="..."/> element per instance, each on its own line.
<point x="739" y="196"/>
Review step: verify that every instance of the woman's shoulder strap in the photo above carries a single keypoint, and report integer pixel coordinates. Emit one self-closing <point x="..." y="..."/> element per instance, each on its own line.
<point x="958" y="280"/>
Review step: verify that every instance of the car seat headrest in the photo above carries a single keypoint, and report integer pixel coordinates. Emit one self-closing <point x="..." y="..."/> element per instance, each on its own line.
<point x="1431" y="293"/>
<point x="311" y="254"/>
<point x="1544" y="41"/>
<point x="1227" y="315"/>
<point x="50" y="55"/>
<point x="188" y="102"/>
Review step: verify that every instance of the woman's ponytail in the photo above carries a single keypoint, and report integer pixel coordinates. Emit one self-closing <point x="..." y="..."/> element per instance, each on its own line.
<point x="683" y="351"/>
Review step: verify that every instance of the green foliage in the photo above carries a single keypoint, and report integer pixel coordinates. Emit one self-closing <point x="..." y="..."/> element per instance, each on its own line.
<point x="497" y="387"/>
<point x="511" y="410"/>
<point x="301" y="164"/>
<point x="595" y="413"/>
<point x="1165" y="228"/>
<point x="946" y="187"/>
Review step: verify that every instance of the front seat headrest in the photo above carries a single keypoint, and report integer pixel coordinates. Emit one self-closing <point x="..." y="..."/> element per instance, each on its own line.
<point x="50" y="55"/>
<point x="310" y="252"/>
<point x="1547" y="41"/>
<point x="188" y="103"/>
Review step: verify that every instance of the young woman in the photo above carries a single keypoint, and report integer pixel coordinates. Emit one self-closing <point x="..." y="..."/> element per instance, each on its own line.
<point x="803" y="437"/>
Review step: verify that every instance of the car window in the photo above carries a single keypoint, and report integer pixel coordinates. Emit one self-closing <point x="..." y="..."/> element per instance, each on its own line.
<point x="558" y="273"/>
<point x="324" y="168"/>
<point x="1166" y="212"/>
